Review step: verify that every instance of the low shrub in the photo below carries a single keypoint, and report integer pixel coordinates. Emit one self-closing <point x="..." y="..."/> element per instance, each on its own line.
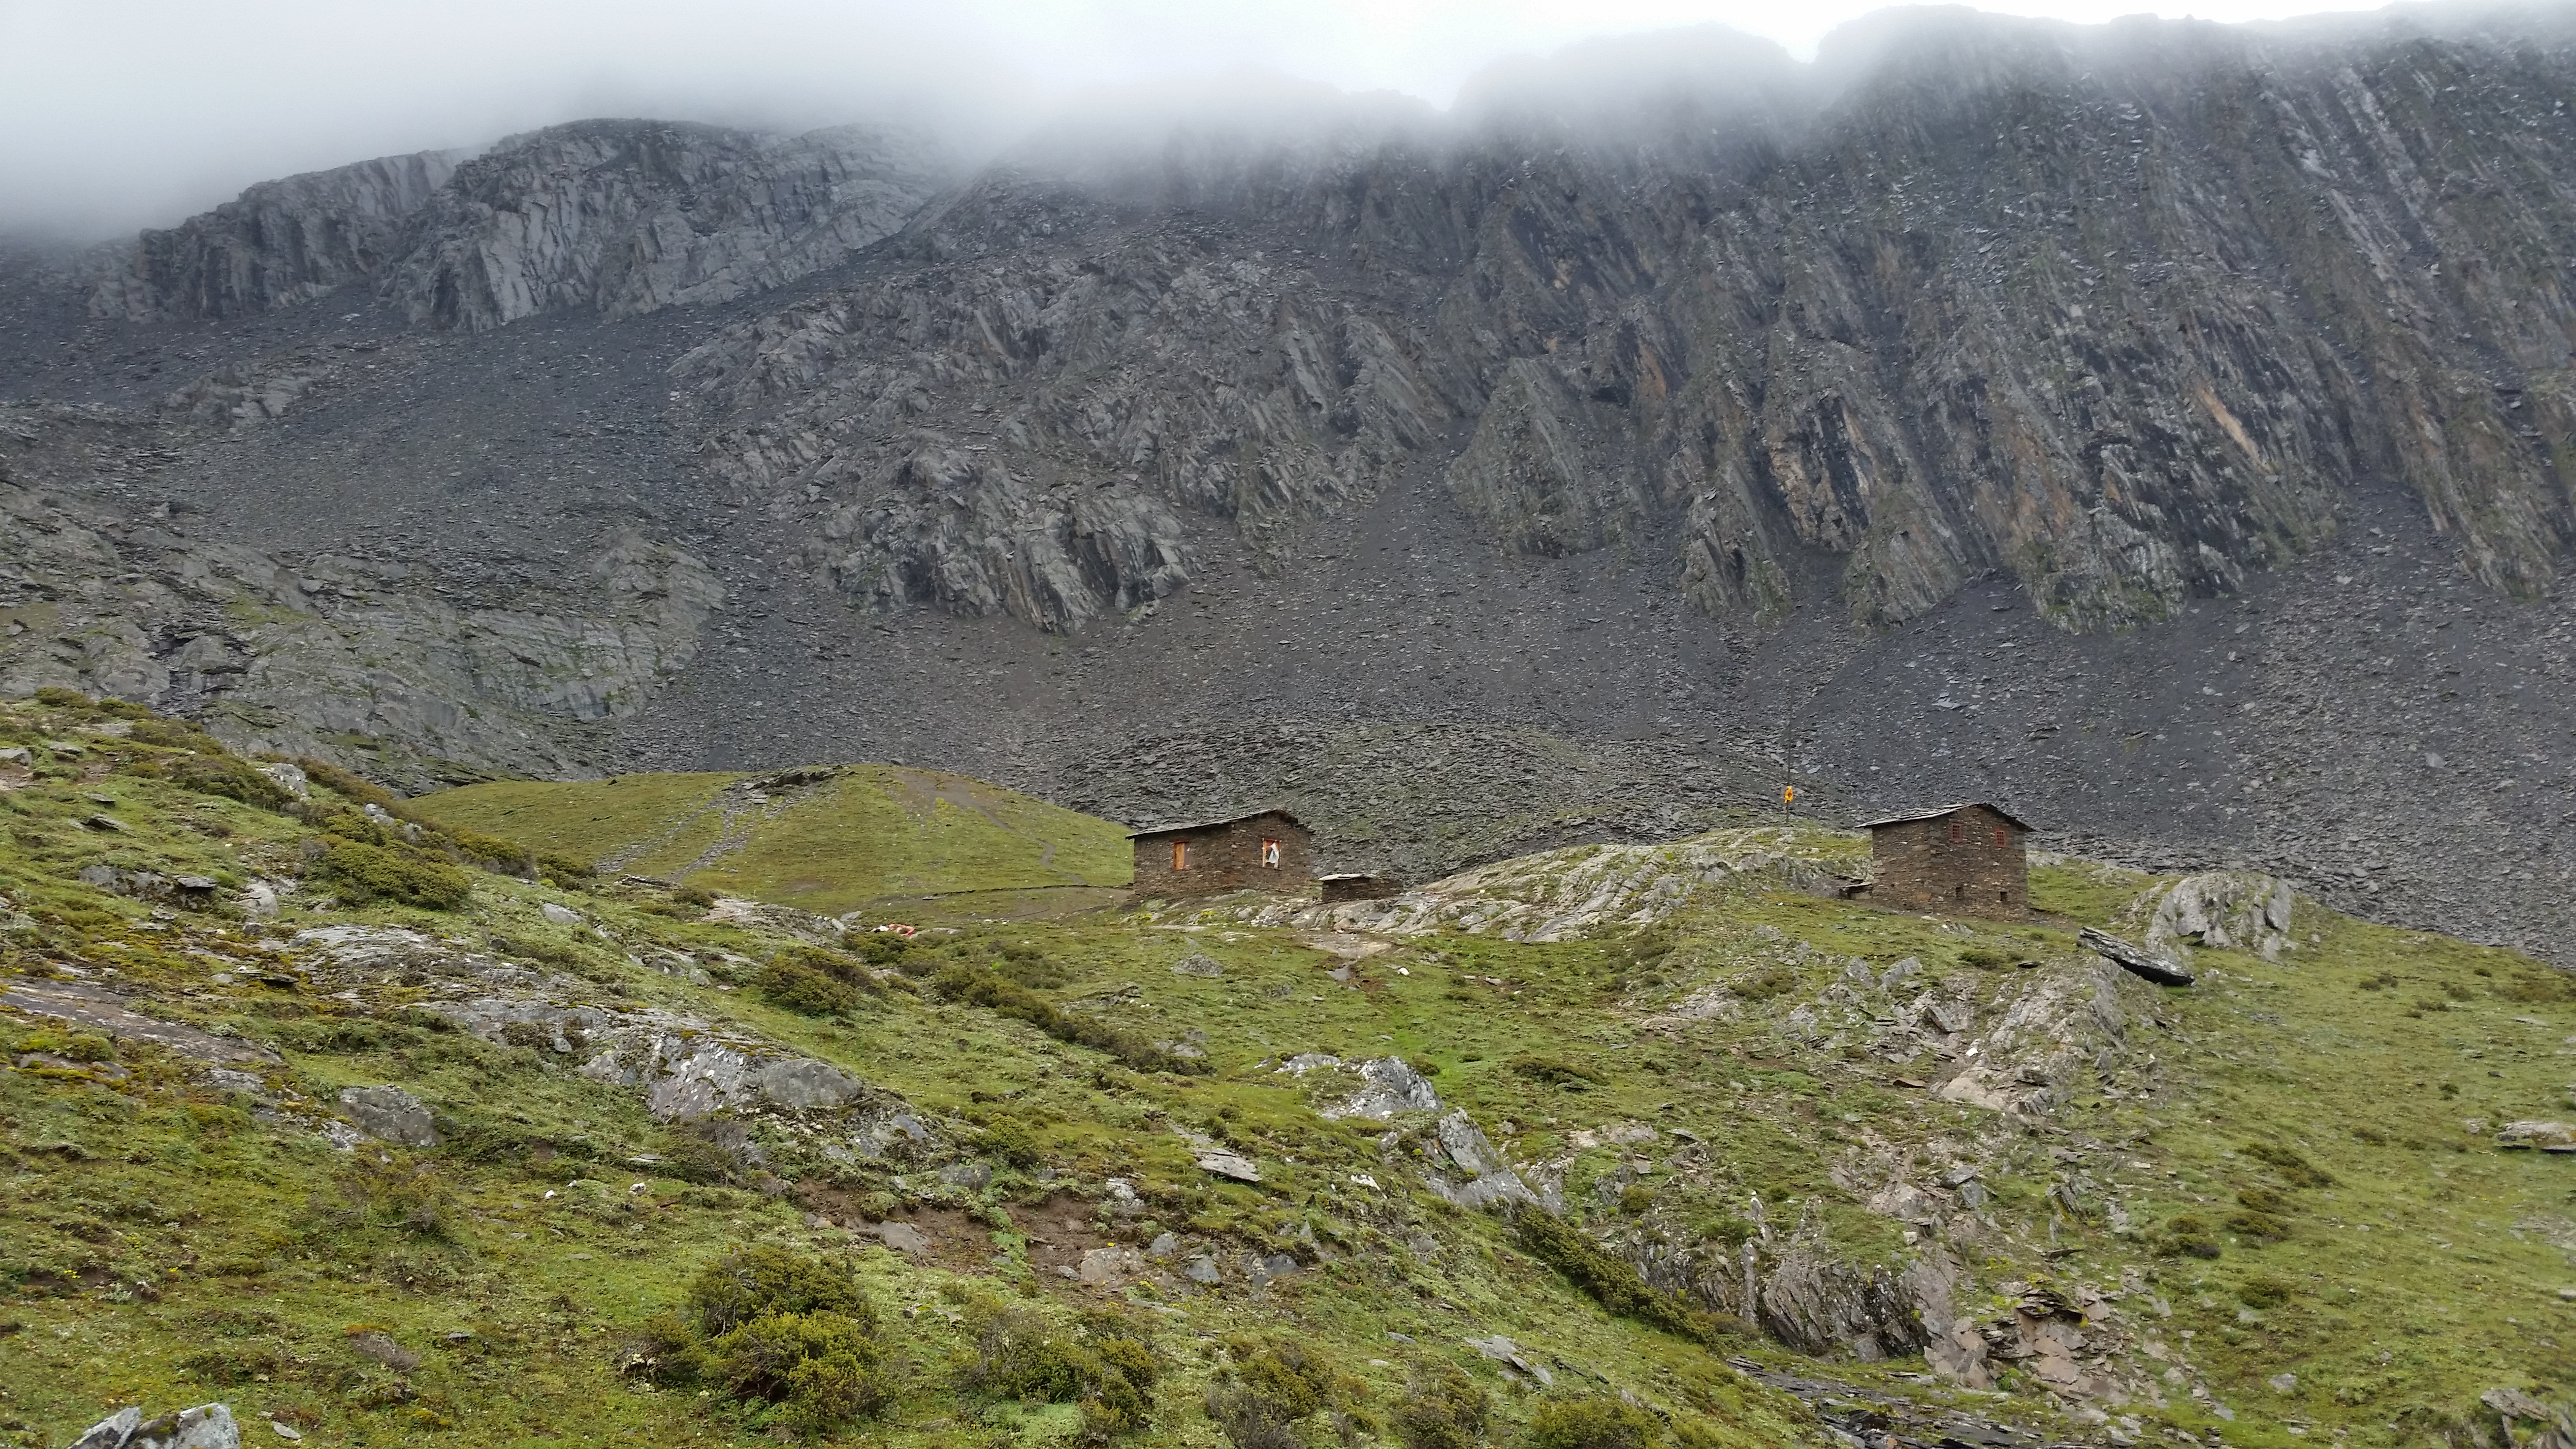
<point x="1555" y="1072"/>
<point x="348" y="785"/>
<point x="982" y="988"/>
<point x="1104" y="1368"/>
<point x="790" y="1334"/>
<point x="2266" y="1290"/>
<point x="365" y="873"/>
<point x="1592" y="1421"/>
<point x="761" y="1279"/>
<point x="2296" y="1169"/>
<point x="1443" y="1409"/>
<point x="1271" y="1384"/>
<point x="800" y="988"/>
<point x="2259" y="1227"/>
<point x="1764" y="984"/>
<point x="226" y="775"/>
<point x="819" y="1369"/>
<point x="2185" y="1235"/>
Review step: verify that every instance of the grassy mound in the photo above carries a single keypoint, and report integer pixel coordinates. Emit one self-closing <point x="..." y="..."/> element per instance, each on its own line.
<point x="859" y="836"/>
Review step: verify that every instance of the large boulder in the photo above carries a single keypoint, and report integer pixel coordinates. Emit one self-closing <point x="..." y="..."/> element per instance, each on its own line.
<point x="2228" y="910"/>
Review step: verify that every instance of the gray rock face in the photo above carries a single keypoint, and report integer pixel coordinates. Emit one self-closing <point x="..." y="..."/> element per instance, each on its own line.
<point x="627" y="217"/>
<point x="278" y="244"/>
<point x="389" y="1114"/>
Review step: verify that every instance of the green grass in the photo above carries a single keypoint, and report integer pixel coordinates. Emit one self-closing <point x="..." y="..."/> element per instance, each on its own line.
<point x="164" y="1242"/>
<point x="874" y="835"/>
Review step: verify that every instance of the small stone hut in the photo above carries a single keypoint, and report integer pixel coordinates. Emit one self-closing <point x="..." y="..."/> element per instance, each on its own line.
<point x="1266" y="850"/>
<point x="1964" y="859"/>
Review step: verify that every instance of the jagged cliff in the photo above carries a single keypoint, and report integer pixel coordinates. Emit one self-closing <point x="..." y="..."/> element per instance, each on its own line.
<point x="2120" y="314"/>
<point x="278" y="244"/>
<point x="610" y="217"/>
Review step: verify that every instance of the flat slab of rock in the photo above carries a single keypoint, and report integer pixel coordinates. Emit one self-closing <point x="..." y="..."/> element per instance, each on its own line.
<point x="2546" y="1136"/>
<point x="1216" y="1158"/>
<point x="903" y="1238"/>
<point x="2134" y="959"/>
<point x="104" y="1010"/>
<point x="1109" y="1267"/>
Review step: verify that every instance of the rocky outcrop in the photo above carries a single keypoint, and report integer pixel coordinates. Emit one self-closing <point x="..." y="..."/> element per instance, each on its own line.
<point x="207" y="1426"/>
<point x="620" y="218"/>
<point x="1568" y="894"/>
<point x="278" y="244"/>
<point x="616" y="218"/>
<point x="2229" y="910"/>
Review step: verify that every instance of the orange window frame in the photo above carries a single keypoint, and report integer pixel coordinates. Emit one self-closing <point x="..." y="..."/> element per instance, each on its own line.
<point x="1180" y="855"/>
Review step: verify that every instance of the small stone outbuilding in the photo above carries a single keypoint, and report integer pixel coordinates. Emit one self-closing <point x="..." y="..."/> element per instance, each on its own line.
<point x="1358" y="886"/>
<point x="1964" y="859"/>
<point x="1266" y="850"/>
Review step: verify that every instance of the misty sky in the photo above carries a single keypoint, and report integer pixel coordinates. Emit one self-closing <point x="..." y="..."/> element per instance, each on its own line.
<point x="121" y="113"/>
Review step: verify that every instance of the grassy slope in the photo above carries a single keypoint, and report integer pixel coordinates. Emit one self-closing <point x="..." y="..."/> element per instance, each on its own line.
<point x="873" y="834"/>
<point x="284" y="1249"/>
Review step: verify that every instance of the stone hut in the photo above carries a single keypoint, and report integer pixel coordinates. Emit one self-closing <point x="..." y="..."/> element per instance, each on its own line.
<point x="1266" y="850"/>
<point x="1962" y="859"/>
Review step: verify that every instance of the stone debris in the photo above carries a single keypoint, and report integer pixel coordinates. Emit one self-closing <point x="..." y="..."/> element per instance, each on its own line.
<point x="687" y="1070"/>
<point x="1198" y="964"/>
<point x="2045" y="1043"/>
